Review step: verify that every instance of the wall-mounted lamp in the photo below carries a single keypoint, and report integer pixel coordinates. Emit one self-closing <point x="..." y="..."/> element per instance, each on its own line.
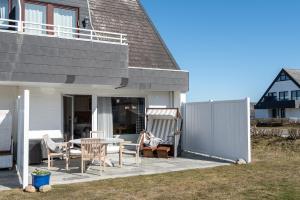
<point x="85" y="22"/>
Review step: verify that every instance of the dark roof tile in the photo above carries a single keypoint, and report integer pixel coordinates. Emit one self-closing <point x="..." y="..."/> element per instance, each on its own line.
<point x="146" y="48"/>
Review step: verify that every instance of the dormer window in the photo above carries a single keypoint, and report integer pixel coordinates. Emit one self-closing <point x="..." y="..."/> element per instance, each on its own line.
<point x="283" y="77"/>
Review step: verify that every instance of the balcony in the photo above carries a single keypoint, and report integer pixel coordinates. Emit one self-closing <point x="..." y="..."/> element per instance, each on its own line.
<point x="32" y="52"/>
<point x="50" y="30"/>
<point x="272" y="103"/>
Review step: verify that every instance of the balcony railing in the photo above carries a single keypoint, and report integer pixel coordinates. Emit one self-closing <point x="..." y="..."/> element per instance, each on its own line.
<point x="50" y="30"/>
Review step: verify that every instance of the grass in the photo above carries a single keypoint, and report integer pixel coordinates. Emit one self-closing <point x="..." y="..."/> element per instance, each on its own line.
<point x="274" y="174"/>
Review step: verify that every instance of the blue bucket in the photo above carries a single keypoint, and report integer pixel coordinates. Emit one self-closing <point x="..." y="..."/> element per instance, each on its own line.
<point x="40" y="180"/>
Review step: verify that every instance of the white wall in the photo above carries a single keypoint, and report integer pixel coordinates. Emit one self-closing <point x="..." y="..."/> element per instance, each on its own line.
<point x="282" y="86"/>
<point x="262" y="113"/>
<point x="292" y="112"/>
<point x="8" y="97"/>
<point x="46" y="105"/>
<point x="159" y="100"/>
<point x="220" y="129"/>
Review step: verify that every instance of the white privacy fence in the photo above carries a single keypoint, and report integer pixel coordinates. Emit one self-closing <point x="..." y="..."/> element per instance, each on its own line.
<point x="218" y="128"/>
<point x="23" y="139"/>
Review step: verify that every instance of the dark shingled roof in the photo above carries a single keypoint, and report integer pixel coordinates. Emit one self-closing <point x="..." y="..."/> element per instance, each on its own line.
<point x="146" y="48"/>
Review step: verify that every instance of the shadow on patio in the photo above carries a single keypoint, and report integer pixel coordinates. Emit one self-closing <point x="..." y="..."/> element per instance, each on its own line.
<point x="147" y="166"/>
<point x="9" y="179"/>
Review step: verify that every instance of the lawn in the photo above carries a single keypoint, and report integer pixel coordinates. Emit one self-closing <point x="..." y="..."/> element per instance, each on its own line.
<point x="274" y="174"/>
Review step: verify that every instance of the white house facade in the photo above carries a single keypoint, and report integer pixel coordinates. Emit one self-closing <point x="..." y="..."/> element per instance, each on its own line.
<point x="85" y="65"/>
<point x="281" y="100"/>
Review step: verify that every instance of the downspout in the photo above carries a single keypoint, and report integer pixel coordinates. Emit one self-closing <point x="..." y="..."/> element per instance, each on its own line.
<point x="90" y="15"/>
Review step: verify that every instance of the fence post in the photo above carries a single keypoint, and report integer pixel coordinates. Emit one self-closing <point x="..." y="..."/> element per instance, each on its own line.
<point x="248" y="111"/>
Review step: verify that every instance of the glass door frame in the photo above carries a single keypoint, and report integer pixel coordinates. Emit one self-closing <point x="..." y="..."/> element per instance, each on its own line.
<point x="72" y="114"/>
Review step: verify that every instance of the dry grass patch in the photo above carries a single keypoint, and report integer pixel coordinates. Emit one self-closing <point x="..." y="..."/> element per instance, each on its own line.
<point x="274" y="174"/>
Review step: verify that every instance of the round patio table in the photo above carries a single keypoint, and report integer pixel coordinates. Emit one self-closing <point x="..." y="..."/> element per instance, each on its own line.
<point x="106" y="141"/>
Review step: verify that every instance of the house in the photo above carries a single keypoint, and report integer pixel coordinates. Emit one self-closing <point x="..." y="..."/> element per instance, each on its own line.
<point x="281" y="100"/>
<point x="83" y="65"/>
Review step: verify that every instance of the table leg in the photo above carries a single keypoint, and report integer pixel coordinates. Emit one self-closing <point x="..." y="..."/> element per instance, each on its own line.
<point x="121" y="155"/>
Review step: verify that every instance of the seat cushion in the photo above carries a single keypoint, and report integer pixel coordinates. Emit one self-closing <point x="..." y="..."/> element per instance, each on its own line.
<point x="129" y="152"/>
<point x="113" y="149"/>
<point x="75" y="152"/>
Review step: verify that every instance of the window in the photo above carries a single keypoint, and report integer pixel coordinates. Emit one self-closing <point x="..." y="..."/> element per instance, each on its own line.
<point x="128" y="115"/>
<point x="295" y="95"/>
<point x="3" y="13"/>
<point x="65" y="18"/>
<point x="273" y="94"/>
<point x="35" y="13"/>
<point x="283" y="77"/>
<point x="283" y="96"/>
<point x="47" y="13"/>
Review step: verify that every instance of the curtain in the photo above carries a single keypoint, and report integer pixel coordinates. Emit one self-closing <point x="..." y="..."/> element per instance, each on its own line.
<point x="3" y="12"/>
<point x="105" y="117"/>
<point x="66" y="18"/>
<point x="37" y="14"/>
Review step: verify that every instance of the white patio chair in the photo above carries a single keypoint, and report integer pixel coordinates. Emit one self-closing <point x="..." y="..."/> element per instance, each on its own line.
<point x="133" y="148"/>
<point x="56" y="150"/>
<point x="6" y="142"/>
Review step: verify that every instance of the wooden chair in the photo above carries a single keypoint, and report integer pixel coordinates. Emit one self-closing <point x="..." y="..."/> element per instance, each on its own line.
<point x="55" y="150"/>
<point x="92" y="150"/>
<point x="133" y="148"/>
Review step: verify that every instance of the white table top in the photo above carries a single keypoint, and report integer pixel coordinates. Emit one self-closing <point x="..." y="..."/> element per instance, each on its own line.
<point x="103" y="141"/>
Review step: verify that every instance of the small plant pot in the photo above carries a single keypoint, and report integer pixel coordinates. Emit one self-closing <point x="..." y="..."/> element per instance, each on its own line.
<point x="40" y="180"/>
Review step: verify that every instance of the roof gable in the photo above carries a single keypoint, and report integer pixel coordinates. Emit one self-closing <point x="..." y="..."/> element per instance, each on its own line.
<point x="293" y="75"/>
<point x="146" y="48"/>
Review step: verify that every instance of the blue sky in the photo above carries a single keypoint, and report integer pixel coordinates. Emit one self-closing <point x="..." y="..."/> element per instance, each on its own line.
<point x="232" y="48"/>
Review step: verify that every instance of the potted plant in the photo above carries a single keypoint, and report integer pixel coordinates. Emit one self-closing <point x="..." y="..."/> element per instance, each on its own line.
<point x="40" y="178"/>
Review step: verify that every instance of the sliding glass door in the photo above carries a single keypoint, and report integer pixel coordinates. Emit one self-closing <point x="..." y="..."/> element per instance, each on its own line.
<point x="35" y="14"/>
<point x="68" y="117"/>
<point x="121" y="115"/>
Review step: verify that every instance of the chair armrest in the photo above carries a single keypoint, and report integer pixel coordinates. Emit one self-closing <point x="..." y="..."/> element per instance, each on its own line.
<point x="131" y="144"/>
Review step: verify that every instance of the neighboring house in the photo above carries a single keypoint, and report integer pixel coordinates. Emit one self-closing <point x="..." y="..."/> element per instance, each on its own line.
<point x="87" y="64"/>
<point x="281" y="100"/>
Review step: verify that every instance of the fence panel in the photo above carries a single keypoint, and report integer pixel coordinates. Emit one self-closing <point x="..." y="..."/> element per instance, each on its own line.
<point x="218" y="128"/>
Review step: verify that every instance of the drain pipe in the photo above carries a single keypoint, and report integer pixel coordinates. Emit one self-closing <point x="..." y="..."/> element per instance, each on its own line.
<point x="90" y="15"/>
<point x="20" y="16"/>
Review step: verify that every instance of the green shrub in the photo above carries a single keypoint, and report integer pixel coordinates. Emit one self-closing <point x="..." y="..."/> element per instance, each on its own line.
<point x="40" y="172"/>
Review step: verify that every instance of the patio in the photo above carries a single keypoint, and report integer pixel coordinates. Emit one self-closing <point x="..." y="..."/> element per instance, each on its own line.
<point x="10" y="180"/>
<point x="147" y="166"/>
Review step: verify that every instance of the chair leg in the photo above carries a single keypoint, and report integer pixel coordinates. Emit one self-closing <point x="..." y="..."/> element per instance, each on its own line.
<point x="82" y="166"/>
<point x="121" y="156"/>
<point x="49" y="160"/>
<point x="137" y="158"/>
<point x="100" y="165"/>
<point x="67" y="163"/>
